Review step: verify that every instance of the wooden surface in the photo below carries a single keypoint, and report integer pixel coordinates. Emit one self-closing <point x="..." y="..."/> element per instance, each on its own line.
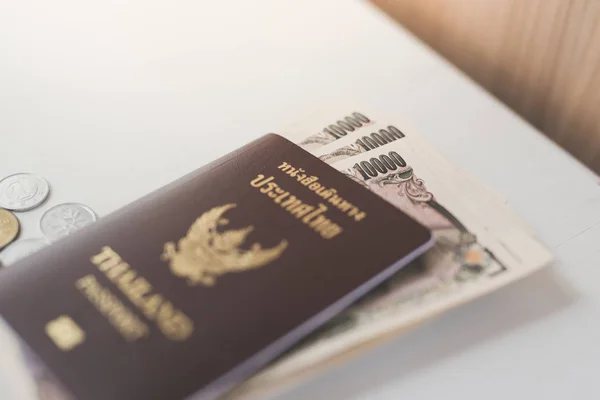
<point x="540" y="57"/>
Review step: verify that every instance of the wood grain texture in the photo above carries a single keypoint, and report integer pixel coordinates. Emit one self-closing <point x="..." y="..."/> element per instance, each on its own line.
<point x="540" y="57"/>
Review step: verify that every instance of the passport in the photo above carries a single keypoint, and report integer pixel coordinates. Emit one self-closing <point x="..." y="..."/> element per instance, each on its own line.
<point x="193" y="288"/>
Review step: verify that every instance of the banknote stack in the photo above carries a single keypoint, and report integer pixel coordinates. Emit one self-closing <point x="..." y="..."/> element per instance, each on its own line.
<point x="481" y="245"/>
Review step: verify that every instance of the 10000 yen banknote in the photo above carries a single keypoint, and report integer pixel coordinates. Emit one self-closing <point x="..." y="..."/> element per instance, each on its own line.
<point x="344" y="133"/>
<point x="461" y="182"/>
<point x="349" y="130"/>
<point x="328" y="125"/>
<point x="470" y="258"/>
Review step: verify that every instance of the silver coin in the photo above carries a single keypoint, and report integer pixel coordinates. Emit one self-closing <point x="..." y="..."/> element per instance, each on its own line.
<point x="22" y="192"/>
<point x="64" y="219"/>
<point x="21" y="249"/>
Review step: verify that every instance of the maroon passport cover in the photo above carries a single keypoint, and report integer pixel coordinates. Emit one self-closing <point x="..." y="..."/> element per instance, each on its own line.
<point x="194" y="287"/>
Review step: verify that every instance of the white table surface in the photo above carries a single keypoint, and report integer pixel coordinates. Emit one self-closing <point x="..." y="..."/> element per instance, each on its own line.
<point x="110" y="100"/>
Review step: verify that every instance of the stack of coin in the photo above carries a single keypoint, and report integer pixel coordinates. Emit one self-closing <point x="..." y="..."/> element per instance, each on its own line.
<point x="22" y="192"/>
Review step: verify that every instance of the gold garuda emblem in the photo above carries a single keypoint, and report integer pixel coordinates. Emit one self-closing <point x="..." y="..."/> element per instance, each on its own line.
<point x="205" y="253"/>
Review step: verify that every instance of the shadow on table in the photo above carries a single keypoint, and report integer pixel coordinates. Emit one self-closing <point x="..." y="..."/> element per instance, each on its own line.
<point x="533" y="298"/>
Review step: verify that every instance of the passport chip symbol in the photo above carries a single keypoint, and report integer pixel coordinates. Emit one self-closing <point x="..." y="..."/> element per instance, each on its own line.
<point x="65" y="333"/>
